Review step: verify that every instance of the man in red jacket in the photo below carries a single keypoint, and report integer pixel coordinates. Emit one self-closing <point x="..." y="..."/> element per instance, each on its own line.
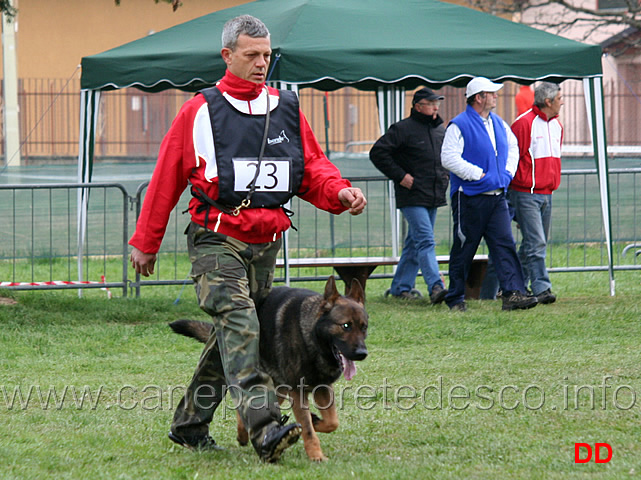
<point x="523" y="99"/>
<point x="540" y="135"/>
<point x="246" y="149"/>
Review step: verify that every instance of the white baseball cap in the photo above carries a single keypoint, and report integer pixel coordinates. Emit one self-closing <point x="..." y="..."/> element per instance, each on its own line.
<point x="481" y="84"/>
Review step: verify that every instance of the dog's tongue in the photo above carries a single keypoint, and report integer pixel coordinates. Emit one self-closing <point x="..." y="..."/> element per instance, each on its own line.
<point x="349" y="368"/>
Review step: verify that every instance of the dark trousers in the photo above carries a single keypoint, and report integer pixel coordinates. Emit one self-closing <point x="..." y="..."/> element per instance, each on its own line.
<point x="476" y="217"/>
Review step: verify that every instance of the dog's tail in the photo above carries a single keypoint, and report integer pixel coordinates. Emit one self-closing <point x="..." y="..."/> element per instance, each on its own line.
<point x="192" y="328"/>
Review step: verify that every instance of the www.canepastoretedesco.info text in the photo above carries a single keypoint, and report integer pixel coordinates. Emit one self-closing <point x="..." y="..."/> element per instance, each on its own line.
<point x="440" y="394"/>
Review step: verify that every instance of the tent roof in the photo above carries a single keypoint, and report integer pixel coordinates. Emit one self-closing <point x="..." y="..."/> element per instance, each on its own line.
<point x="329" y="44"/>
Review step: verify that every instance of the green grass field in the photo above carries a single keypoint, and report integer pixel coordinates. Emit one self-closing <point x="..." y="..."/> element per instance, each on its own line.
<point x="484" y="394"/>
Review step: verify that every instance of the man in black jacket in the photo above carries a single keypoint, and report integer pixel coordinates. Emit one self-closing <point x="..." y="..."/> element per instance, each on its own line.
<point x="409" y="154"/>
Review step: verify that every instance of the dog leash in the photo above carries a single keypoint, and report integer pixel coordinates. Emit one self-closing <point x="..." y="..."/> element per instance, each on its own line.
<point x="252" y="186"/>
<point x="205" y="202"/>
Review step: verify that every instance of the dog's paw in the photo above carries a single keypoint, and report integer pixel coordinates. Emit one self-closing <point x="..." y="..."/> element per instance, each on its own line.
<point x="243" y="438"/>
<point x="314" y="451"/>
<point x="319" y="457"/>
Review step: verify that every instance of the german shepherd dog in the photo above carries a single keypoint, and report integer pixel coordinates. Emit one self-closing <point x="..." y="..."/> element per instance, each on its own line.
<point x="306" y="341"/>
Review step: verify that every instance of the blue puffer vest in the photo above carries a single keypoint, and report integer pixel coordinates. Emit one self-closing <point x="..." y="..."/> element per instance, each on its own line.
<point x="479" y="151"/>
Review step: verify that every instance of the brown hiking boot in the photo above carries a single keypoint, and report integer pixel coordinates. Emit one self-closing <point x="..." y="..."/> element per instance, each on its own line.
<point x="411" y="296"/>
<point x="546" y="297"/>
<point x="438" y="294"/>
<point x="518" y="301"/>
<point x="459" y="307"/>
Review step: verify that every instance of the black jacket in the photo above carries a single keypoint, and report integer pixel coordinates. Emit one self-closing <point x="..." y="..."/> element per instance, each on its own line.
<point x="413" y="146"/>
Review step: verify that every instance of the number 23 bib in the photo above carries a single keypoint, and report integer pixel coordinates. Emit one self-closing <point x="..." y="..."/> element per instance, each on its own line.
<point x="237" y="138"/>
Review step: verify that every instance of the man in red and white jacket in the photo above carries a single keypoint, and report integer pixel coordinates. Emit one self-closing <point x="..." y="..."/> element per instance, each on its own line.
<point x="540" y="135"/>
<point x="222" y="142"/>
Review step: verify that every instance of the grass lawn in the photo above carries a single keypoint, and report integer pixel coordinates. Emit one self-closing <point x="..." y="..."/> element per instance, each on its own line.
<point x="88" y="387"/>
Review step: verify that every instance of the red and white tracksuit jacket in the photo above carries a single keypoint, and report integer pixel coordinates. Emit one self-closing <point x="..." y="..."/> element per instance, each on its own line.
<point x="187" y="156"/>
<point x="540" y="139"/>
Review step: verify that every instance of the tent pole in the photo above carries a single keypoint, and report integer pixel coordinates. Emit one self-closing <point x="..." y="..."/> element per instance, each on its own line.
<point x="391" y="105"/>
<point x="593" y="91"/>
<point x="89" y="104"/>
<point x="285" y="247"/>
<point x="327" y="154"/>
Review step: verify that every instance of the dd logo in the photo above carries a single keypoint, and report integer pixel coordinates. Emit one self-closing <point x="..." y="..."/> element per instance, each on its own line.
<point x="597" y="450"/>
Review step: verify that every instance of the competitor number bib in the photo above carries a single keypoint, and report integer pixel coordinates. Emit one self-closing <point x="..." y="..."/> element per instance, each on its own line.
<point x="274" y="175"/>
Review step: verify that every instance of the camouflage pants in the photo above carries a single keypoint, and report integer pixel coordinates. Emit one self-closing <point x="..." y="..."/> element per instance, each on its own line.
<point x="230" y="277"/>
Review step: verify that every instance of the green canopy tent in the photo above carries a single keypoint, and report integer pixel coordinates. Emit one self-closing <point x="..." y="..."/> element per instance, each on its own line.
<point x="375" y="45"/>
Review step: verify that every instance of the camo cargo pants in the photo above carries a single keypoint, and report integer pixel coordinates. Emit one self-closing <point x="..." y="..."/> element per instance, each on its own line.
<point x="230" y="278"/>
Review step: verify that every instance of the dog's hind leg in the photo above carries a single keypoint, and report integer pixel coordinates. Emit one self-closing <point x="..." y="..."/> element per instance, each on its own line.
<point x="325" y="402"/>
<point x="300" y="407"/>
<point x="241" y="432"/>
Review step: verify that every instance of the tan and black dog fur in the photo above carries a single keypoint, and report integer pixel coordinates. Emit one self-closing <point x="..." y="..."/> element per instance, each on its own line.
<point x="306" y="339"/>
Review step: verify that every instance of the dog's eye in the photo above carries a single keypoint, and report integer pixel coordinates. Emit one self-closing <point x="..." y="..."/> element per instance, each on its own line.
<point x="347" y="327"/>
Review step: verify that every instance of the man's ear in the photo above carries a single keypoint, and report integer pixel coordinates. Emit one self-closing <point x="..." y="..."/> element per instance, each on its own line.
<point x="226" y="54"/>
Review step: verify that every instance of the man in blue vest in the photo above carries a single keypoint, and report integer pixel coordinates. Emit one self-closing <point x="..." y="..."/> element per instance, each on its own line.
<point x="482" y="154"/>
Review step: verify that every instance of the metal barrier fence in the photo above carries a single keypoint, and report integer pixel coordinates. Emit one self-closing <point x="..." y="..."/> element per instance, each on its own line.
<point x="39" y="238"/>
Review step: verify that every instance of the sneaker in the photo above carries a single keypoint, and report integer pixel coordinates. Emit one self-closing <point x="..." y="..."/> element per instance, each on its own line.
<point x="546" y="297"/>
<point x="518" y="301"/>
<point x="459" y="307"/>
<point x="438" y="294"/>
<point x="199" y="443"/>
<point x="277" y="440"/>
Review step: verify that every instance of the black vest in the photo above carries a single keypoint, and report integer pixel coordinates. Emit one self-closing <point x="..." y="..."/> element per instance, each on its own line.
<point x="237" y="140"/>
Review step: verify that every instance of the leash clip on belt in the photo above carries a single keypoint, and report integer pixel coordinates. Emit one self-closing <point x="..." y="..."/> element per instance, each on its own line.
<point x="244" y="204"/>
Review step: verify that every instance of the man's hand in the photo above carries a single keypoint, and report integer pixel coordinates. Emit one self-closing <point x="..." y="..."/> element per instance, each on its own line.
<point x="407" y="181"/>
<point x="143" y="263"/>
<point x="354" y="199"/>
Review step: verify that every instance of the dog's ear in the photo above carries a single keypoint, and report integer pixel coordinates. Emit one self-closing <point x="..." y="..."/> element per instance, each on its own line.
<point x="356" y="292"/>
<point x="331" y="293"/>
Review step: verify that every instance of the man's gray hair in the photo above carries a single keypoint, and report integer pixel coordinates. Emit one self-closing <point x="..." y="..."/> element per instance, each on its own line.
<point x="544" y="91"/>
<point x="242" y="25"/>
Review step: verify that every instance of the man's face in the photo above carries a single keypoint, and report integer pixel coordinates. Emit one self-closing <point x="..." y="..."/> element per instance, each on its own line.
<point x="555" y="104"/>
<point x="487" y="100"/>
<point x="250" y="59"/>
<point x="428" y="107"/>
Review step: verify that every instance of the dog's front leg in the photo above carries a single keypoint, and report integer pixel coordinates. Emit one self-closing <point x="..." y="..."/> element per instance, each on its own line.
<point x="300" y="407"/>
<point x="325" y="402"/>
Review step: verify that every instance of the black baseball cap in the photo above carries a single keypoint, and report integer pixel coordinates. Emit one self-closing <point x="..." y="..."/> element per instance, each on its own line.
<point x="426" y="94"/>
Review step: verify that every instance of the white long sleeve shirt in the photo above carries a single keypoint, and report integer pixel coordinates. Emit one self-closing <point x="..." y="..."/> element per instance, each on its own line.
<point x="454" y="143"/>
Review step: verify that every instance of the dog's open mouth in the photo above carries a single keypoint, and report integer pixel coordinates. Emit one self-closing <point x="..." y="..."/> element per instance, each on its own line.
<point x="349" y="367"/>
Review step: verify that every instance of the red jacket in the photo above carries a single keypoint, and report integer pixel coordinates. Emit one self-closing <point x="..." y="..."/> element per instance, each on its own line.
<point x="187" y="157"/>
<point x="540" y="139"/>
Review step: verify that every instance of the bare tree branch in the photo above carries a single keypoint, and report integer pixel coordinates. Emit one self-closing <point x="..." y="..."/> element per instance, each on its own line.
<point x="7" y="9"/>
<point x="568" y="14"/>
<point x="174" y="3"/>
